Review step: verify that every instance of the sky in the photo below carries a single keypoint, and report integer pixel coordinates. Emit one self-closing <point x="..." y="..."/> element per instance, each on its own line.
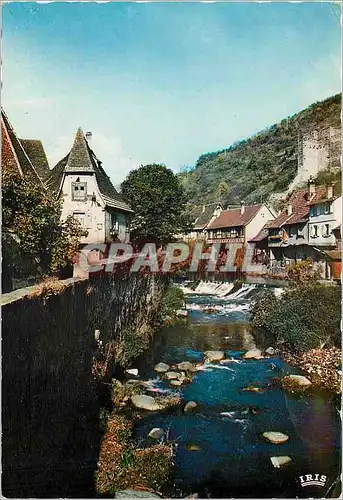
<point x="162" y="82"/>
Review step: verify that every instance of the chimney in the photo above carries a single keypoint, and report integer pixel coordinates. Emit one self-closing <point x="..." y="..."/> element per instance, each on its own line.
<point x="311" y="187"/>
<point x="89" y="137"/>
<point x="329" y="191"/>
<point x="242" y="208"/>
<point x="289" y="209"/>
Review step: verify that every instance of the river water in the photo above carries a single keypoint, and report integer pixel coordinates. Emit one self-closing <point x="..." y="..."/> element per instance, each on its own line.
<point x="220" y="451"/>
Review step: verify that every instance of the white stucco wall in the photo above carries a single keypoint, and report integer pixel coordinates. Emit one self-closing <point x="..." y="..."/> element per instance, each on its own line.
<point x="256" y="224"/>
<point x="333" y="219"/>
<point x="95" y="212"/>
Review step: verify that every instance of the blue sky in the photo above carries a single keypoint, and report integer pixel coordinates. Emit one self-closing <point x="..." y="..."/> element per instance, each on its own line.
<point x="163" y="82"/>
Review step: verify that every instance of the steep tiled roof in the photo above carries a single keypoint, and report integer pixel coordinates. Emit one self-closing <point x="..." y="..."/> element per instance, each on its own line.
<point x="82" y="159"/>
<point x="205" y="216"/>
<point x="260" y="236"/>
<point x="80" y="155"/>
<point x="14" y="156"/>
<point x="234" y="218"/>
<point x="300" y="202"/>
<point x="35" y="151"/>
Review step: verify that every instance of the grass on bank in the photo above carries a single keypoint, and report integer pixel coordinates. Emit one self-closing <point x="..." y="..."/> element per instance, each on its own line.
<point x="122" y="465"/>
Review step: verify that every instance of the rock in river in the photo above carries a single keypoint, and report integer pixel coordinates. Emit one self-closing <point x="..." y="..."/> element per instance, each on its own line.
<point x="214" y="355"/>
<point x="132" y="371"/>
<point x="296" y="381"/>
<point x="186" y="366"/>
<point x="253" y="354"/>
<point x="275" y="437"/>
<point x="190" y="406"/>
<point x="135" y="494"/>
<point x="161" y="367"/>
<point x="145" y="402"/>
<point x="156" y="433"/>
<point x="176" y="383"/>
<point x="173" y="375"/>
<point x="270" y="351"/>
<point x="280" y="461"/>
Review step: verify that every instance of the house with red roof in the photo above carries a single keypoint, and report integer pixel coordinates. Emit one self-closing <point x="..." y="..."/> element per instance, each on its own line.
<point x="238" y="225"/>
<point x="23" y="157"/>
<point x="88" y="194"/>
<point x="292" y="236"/>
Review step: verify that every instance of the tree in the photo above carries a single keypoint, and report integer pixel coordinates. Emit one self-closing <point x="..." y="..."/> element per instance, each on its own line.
<point x="158" y="199"/>
<point x="35" y="242"/>
<point x="223" y="190"/>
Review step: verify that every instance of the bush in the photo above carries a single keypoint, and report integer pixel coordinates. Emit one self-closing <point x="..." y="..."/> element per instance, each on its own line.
<point x="302" y="318"/>
<point x="173" y="300"/>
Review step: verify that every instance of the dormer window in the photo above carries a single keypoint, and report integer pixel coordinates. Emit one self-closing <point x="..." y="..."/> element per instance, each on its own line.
<point x="79" y="191"/>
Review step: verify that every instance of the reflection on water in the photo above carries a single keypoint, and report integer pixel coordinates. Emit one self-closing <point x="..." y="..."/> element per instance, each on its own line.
<point x="220" y="450"/>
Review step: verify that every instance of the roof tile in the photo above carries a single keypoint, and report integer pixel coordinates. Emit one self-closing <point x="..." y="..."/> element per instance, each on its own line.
<point x="234" y="218"/>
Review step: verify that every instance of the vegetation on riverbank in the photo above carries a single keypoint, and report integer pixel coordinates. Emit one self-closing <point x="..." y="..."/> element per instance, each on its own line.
<point x="172" y="302"/>
<point x="122" y="465"/>
<point x="304" y="323"/>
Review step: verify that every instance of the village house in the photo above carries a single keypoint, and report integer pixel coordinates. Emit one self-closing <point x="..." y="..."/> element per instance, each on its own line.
<point x="25" y="157"/>
<point x="208" y="213"/>
<point x="305" y="223"/>
<point x="88" y="194"/>
<point x="238" y="225"/>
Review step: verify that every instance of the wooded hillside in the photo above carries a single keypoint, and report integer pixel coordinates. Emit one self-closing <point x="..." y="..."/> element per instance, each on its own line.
<point x="256" y="167"/>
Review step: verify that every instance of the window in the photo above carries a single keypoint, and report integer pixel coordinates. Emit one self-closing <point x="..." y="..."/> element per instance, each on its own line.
<point x="84" y="219"/>
<point x="293" y="231"/>
<point x="327" y="208"/>
<point x="79" y="191"/>
<point x="314" y="232"/>
<point x="326" y="231"/>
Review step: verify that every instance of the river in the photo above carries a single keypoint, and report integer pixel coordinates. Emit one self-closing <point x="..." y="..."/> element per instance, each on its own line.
<point x="220" y="450"/>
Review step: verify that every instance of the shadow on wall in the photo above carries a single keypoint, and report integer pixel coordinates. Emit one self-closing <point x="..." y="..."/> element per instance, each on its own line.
<point x="50" y="403"/>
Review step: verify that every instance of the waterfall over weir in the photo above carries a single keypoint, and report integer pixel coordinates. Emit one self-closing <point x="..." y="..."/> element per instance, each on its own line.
<point x="222" y="289"/>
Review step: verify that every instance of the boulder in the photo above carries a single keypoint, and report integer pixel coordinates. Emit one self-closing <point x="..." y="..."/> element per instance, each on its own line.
<point x="182" y="313"/>
<point x="275" y="437"/>
<point x="132" y="371"/>
<point x="190" y="406"/>
<point x="297" y="381"/>
<point x="135" y="494"/>
<point x="270" y="351"/>
<point x="176" y="383"/>
<point x="161" y="367"/>
<point x="144" y="402"/>
<point x="173" y="375"/>
<point x="280" y="461"/>
<point x="193" y="447"/>
<point x="253" y="354"/>
<point x="251" y="388"/>
<point x="214" y="355"/>
<point x="186" y="366"/>
<point x="156" y="433"/>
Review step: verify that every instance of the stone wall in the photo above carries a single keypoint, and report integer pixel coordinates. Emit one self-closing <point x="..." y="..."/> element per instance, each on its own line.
<point x="50" y="400"/>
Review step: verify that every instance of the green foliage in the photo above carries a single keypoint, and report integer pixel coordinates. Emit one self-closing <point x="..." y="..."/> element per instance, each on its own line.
<point x="130" y="345"/>
<point x="302" y="272"/>
<point x="158" y="199"/>
<point x="302" y="318"/>
<point x="256" y="167"/>
<point x="34" y="240"/>
<point x="173" y="300"/>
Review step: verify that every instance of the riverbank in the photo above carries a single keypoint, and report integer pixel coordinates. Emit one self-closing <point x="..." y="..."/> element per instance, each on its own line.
<point x="321" y="366"/>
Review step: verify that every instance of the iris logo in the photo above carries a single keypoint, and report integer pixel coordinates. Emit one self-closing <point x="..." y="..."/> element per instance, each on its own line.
<point x="312" y="480"/>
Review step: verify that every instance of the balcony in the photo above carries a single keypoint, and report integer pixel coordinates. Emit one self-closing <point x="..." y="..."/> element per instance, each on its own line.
<point x="236" y="239"/>
<point x="275" y="241"/>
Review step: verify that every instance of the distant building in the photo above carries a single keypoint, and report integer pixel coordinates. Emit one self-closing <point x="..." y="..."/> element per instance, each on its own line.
<point x="88" y="194"/>
<point x="238" y="225"/>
